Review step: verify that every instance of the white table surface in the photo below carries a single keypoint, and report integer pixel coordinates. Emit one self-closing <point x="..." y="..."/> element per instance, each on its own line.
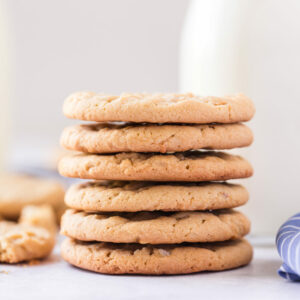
<point x="55" y="279"/>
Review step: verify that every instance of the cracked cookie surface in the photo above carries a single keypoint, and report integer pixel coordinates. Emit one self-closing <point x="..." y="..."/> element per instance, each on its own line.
<point x="32" y="238"/>
<point x="158" y="108"/>
<point x="109" y="196"/>
<point x="155" y="227"/>
<point x="112" y="138"/>
<point x="161" y="259"/>
<point x="186" y="166"/>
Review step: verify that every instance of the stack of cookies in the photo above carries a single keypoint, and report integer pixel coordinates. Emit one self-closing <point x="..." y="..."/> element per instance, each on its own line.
<point x="158" y="203"/>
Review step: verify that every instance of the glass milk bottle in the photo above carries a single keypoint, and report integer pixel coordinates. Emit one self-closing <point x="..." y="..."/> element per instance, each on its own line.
<point x="253" y="46"/>
<point x="4" y="85"/>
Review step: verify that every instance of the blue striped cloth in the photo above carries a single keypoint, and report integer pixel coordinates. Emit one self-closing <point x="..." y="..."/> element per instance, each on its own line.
<point x="288" y="246"/>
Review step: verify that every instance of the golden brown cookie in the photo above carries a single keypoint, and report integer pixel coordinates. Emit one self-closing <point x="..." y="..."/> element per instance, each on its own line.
<point x="186" y="166"/>
<point x="158" y="108"/>
<point x="109" y="196"/>
<point x="155" y="227"/>
<point x="17" y="191"/>
<point x="32" y="238"/>
<point x="112" y="138"/>
<point x="161" y="259"/>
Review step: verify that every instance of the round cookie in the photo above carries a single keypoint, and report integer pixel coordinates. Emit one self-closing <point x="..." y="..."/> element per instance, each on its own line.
<point x="155" y="227"/>
<point x="110" y="196"/>
<point x="161" y="259"/>
<point x="112" y="138"/>
<point x="17" y="191"/>
<point x="158" y="108"/>
<point x="186" y="166"/>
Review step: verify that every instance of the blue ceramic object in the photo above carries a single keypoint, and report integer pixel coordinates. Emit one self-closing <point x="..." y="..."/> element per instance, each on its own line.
<point x="288" y="246"/>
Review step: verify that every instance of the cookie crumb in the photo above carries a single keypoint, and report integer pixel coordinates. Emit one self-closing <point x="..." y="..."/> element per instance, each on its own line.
<point x="32" y="262"/>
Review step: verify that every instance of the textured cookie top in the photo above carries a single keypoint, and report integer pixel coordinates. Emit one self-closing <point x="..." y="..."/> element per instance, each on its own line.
<point x="112" y="138"/>
<point x="16" y="191"/>
<point x="186" y="166"/>
<point x="33" y="237"/>
<point x="158" y="108"/>
<point x="155" y="227"/>
<point x="156" y="259"/>
<point x="149" y="196"/>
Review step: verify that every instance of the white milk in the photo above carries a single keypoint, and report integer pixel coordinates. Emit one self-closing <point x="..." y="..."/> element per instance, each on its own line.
<point x="253" y="46"/>
<point x="4" y="85"/>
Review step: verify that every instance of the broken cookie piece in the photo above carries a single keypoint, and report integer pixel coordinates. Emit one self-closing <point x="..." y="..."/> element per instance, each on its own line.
<point x="32" y="238"/>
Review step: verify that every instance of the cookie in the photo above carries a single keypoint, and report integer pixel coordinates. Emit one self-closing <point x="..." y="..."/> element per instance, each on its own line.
<point x="110" y="196"/>
<point x="17" y="191"/>
<point x="186" y="166"/>
<point x="158" y="108"/>
<point x="32" y="238"/>
<point x="155" y="227"/>
<point x="112" y="138"/>
<point x="161" y="259"/>
<point x="40" y="216"/>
